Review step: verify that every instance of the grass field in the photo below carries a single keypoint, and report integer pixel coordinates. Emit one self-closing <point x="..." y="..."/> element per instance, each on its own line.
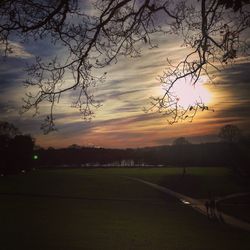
<point x="100" y="209"/>
<point x="197" y="182"/>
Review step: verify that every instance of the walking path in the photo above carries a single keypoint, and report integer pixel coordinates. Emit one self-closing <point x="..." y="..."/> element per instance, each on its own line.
<point x="198" y="205"/>
<point x="232" y="196"/>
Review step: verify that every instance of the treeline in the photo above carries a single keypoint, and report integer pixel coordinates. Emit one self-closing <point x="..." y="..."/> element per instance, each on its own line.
<point x="16" y="150"/>
<point x="18" y="154"/>
<point x="233" y="155"/>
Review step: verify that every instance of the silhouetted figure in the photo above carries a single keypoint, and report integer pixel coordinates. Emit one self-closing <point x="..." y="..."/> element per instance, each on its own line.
<point x="184" y="171"/>
<point x="212" y="207"/>
<point x="207" y="205"/>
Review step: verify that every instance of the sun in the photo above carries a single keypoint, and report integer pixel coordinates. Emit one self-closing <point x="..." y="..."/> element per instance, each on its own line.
<point x="187" y="94"/>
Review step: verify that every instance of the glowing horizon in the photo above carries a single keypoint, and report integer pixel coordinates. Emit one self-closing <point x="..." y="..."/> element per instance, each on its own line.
<point x="120" y="121"/>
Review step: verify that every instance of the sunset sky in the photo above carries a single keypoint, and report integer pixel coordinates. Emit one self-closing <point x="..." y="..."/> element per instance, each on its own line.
<point x="121" y="121"/>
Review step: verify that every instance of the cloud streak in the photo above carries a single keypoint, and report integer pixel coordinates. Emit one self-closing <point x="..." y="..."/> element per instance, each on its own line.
<point x="120" y="122"/>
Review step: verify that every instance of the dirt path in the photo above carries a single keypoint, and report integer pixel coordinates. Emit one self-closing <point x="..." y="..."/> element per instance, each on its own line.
<point x="232" y="196"/>
<point x="198" y="205"/>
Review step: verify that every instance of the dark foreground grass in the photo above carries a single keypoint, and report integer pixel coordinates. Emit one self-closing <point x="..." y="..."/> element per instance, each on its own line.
<point x="99" y="209"/>
<point x="238" y="207"/>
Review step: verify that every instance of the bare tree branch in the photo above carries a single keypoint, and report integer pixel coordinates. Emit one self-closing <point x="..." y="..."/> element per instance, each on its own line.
<point x="212" y="32"/>
<point x="211" y="29"/>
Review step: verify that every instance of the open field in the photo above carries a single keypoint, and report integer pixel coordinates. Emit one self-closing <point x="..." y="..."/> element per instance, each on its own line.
<point x="198" y="182"/>
<point x="100" y="209"/>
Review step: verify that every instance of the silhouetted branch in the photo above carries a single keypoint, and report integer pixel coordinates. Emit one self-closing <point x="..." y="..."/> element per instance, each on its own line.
<point x="118" y="28"/>
<point x="212" y="33"/>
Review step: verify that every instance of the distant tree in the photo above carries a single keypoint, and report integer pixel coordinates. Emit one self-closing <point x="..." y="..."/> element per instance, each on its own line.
<point x="75" y="146"/>
<point x="230" y="133"/>
<point x="181" y="141"/>
<point x="16" y="149"/>
<point x="51" y="148"/>
<point x="8" y="129"/>
<point x="20" y="152"/>
<point x="7" y="132"/>
<point x="237" y="151"/>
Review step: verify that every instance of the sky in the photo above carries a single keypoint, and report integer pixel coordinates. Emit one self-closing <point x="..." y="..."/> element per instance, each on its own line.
<point x="121" y="122"/>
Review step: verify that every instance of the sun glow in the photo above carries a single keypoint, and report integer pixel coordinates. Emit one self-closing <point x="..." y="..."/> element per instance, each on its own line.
<point x="187" y="94"/>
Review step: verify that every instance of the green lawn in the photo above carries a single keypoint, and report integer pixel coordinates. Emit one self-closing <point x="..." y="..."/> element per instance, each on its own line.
<point x="100" y="209"/>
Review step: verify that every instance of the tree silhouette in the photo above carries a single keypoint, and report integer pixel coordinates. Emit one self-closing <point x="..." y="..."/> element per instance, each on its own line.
<point x="7" y="132"/>
<point x="213" y="30"/>
<point x="7" y="129"/>
<point x="20" y="152"/>
<point x="15" y="149"/>
<point x="181" y="141"/>
<point x="230" y="133"/>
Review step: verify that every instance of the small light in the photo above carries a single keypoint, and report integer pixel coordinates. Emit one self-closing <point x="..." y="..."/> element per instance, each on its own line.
<point x="35" y="157"/>
<point x="185" y="202"/>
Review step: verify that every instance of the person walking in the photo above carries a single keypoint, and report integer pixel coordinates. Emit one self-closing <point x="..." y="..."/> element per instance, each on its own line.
<point x="212" y="207"/>
<point x="207" y="205"/>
